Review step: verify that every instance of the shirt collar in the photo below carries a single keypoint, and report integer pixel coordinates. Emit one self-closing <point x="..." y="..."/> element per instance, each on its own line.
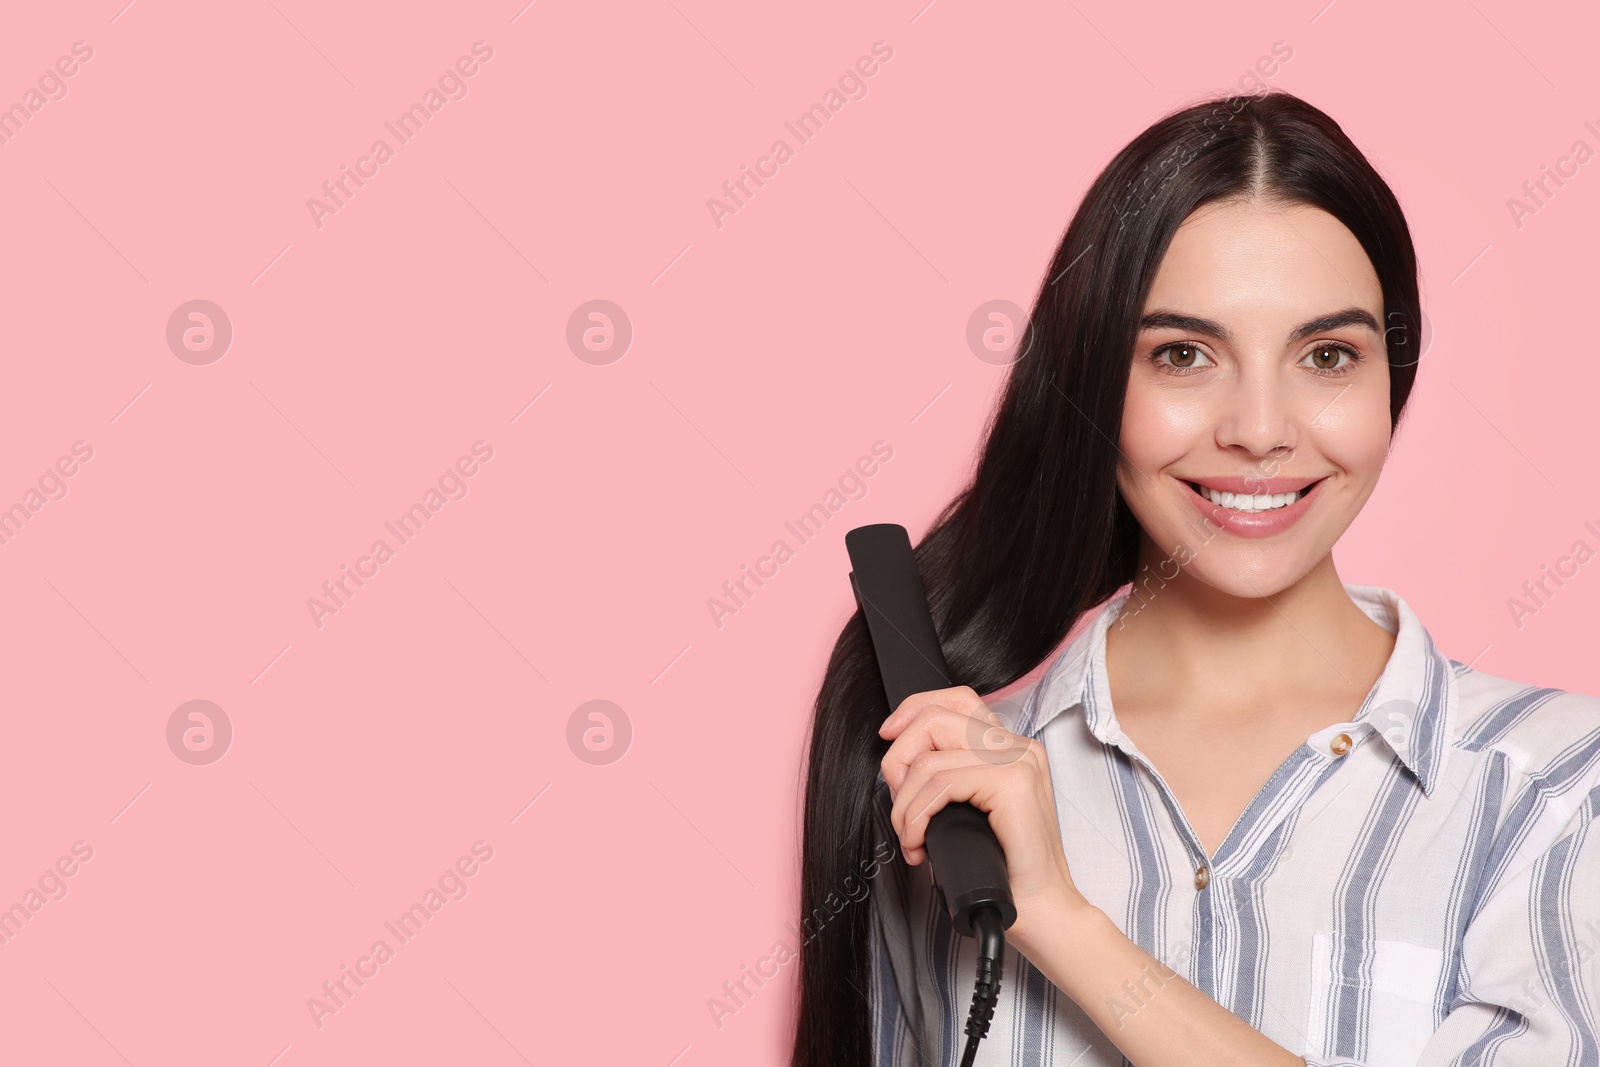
<point x="1408" y="709"/>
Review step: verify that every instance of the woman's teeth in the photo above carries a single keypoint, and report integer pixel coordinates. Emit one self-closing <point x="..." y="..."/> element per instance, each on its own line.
<point x="1247" y="503"/>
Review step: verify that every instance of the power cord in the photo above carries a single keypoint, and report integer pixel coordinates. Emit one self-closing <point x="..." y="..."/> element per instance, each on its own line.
<point x="990" y="933"/>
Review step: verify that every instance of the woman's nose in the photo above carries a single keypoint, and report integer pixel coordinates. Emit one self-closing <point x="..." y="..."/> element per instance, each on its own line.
<point x="1257" y="414"/>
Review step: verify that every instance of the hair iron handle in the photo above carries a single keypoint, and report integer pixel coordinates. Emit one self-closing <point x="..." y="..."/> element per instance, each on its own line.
<point x="969" y="866"/>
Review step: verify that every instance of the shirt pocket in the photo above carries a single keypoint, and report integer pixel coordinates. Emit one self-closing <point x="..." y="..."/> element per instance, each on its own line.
<point x="1381" y="988"/>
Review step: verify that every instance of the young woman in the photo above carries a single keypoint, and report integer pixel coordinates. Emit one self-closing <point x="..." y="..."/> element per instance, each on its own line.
<point x="1251" y="815"/>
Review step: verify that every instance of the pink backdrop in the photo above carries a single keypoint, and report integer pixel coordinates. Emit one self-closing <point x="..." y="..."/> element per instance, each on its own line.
<point x="233" y="456"/>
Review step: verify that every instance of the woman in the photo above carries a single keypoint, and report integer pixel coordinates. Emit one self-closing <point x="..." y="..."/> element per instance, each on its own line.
<point x="1302" y="835"/>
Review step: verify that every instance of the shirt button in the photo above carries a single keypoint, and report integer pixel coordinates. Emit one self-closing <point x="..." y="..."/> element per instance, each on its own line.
<point x="1340" y="744"/>
<point x="1202" y="877"/>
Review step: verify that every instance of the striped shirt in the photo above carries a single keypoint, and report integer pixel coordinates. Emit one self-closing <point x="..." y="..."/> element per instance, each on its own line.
<point x="1418" y="886"/>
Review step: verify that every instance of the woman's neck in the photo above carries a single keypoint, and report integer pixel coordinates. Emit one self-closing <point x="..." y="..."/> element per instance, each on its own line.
<point x="1185" y="647"/>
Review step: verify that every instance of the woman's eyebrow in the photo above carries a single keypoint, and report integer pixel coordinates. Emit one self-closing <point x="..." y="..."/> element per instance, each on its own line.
<point x="1351" y="316"/>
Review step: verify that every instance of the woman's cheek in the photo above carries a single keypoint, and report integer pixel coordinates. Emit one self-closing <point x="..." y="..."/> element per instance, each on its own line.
<point x="1353" y="434"/>
<point x="1161" y="426"/>
<point x="1157" y="432"/>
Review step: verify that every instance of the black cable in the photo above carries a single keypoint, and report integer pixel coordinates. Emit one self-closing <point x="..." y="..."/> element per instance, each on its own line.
<point x="991" y="947"/>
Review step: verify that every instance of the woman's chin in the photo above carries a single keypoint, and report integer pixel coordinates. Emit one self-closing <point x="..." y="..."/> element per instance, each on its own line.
<point x="1252" y="571"/>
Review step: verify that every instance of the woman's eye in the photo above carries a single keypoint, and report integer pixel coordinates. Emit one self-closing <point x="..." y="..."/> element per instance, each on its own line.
<point x="1324" y="359"/>
<point x="1180" y="358"/>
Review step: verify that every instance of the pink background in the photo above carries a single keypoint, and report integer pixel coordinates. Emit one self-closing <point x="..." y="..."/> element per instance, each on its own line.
<point x="767" y="355"/>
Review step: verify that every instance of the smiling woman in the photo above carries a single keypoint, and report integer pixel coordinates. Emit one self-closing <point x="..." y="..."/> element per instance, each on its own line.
<point x="1262" y="819"/>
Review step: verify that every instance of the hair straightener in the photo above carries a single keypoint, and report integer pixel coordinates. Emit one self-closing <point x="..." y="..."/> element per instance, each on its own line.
<point x="969" y="866"/>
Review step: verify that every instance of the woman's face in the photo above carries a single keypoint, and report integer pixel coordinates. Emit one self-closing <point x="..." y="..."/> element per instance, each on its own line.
<point x="1259" y="369"/>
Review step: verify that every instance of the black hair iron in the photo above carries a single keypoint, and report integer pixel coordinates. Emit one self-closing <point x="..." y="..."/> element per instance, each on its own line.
<point x="969" y="866"/>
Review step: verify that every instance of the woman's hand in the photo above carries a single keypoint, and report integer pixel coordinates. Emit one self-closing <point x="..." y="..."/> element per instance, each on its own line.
<point x="948" y="747"/>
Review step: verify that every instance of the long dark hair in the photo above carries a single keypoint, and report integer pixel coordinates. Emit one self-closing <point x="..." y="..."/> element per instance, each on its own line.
<point x="1040" y="534"/>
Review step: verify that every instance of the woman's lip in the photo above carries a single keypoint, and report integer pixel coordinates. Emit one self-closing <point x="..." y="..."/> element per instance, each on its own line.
<point x="1260" y="524"/>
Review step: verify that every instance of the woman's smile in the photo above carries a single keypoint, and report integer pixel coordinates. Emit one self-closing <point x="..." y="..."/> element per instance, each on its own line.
<point x="1253" y="514"/>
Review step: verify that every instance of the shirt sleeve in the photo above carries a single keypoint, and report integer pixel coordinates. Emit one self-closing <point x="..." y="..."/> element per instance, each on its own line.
<point x="1531" y="984"/>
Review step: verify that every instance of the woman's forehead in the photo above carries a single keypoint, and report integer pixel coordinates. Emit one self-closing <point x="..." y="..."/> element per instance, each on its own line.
<point x="1263" y="262"/>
